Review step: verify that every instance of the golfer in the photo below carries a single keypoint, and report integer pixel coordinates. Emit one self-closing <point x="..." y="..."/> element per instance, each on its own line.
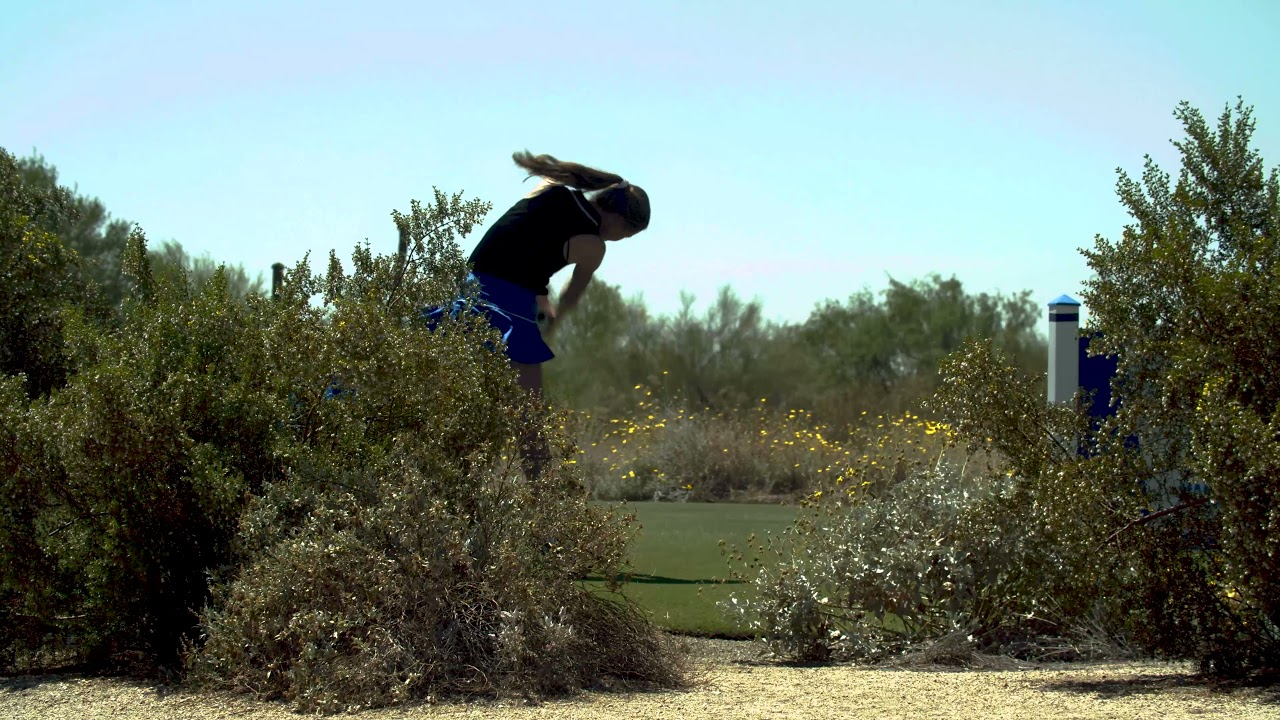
<point x="566" y="220"/>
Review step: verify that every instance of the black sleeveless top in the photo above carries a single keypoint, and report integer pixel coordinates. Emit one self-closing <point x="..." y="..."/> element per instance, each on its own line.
<point x="526" y="245"/>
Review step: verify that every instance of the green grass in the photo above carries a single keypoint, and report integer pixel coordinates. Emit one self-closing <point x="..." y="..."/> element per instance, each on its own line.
<point x="679" y="571"/>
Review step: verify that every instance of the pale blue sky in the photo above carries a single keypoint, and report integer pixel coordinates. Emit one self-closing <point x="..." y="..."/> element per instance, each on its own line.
<point x="796" y="151"/>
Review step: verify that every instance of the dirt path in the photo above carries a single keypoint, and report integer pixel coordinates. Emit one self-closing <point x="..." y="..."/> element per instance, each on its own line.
<point x="735" y="686"/>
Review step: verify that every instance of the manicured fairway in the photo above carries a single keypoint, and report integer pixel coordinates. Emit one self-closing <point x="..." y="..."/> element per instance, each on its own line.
<point x="679" y="571"/>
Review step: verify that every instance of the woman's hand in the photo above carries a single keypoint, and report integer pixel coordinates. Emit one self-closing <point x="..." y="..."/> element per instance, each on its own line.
<point x="547" y="322"/>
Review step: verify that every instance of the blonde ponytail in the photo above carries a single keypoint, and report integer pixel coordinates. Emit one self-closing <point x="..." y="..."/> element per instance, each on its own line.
<point x="610" y="191"/>
<point x="572" y="174"/>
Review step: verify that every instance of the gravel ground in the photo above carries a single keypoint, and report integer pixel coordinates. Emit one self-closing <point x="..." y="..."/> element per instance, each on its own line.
<point x="736" y="683"/>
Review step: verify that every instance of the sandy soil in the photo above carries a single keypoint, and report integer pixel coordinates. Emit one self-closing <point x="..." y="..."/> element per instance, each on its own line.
<point x="736" y="683"/>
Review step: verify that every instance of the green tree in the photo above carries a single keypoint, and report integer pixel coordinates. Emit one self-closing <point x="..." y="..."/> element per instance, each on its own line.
<point x="726" y="358"/>
<point x="172" y="259"/>
<point x="603" y="348"/>
<point x="718" y="360"/>
<point x="871" y="353"/>
<point x="883" y="354"/>
<point x="41" y="281"/>
<point x="84" y="225"/>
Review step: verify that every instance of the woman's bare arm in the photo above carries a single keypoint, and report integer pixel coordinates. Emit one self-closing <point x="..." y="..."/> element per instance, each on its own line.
<point x="586" y="252"/>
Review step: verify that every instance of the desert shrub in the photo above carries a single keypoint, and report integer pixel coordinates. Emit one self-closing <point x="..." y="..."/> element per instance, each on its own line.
<point x="127" y="481"/>
<point x="871" y="579"/>
<point x="401" y="553"/>
<point x="419" y="580"/>
<point x="44" y="297"/>
<point x="1187" y="300"/>
<point x="885" y="555"/>
<point x="1152" y="529"/>
<point x="1061" y="506"/>
<point x="932" y="532"/>
<point x="243" y="477"/>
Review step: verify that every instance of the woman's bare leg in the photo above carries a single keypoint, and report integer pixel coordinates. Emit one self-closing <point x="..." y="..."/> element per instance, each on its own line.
<point x="533" y="447"/>
<point x="530" y="378"/>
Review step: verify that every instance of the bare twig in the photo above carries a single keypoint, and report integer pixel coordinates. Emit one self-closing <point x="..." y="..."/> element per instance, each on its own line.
<point x="407" y="257"/>
<point x="1154" y="516"/>
<point x="73" y="521"/>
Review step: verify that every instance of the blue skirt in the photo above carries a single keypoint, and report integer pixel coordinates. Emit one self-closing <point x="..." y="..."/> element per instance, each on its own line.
<point x="511" y="309"/>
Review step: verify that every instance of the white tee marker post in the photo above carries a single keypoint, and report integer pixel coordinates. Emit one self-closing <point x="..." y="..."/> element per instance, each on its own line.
<point x="1064" y="349"/>
<point x="1064" y="356"/>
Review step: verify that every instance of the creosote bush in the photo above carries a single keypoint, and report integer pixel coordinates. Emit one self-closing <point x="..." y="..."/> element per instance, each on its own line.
<point x="1154" y="529"/>
<point x="1187" y="299"/>
<point x="316" y="497"/>
<point x="404" y="554"/>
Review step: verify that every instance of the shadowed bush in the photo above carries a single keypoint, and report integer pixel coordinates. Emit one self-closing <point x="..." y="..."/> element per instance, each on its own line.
<point x="401" y="553"/>
<point x="316" y="496"/>
<point x="416" y="580"/>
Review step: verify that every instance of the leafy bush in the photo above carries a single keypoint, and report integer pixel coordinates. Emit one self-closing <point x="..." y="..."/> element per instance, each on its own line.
<point x="42" y="291"/>
<point x="1086" y="535"/>
<point x="1187" y="299"/>
<point x="127" y="482"/>
<point x="246" y="477"/>
<point x="885" y="557"/>
<point x="402" y="555"/>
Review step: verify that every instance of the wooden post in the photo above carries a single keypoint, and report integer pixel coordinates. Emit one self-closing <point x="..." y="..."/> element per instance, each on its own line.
<point x="404" y="245"/>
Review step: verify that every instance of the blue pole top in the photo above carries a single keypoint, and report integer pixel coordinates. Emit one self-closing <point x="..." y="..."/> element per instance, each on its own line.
<point x="1063" y="300"/>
